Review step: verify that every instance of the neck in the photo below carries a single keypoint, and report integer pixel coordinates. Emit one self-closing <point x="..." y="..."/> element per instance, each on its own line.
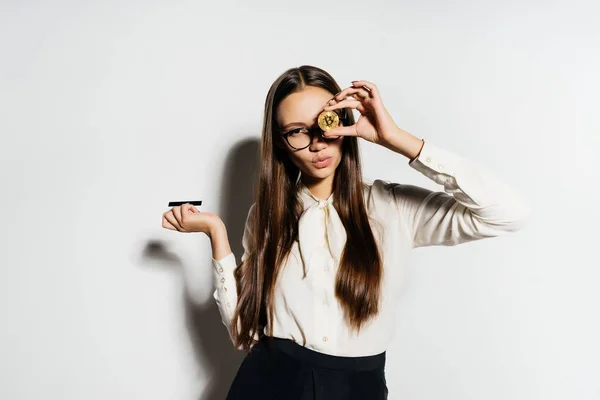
<point x="320" y="188"/>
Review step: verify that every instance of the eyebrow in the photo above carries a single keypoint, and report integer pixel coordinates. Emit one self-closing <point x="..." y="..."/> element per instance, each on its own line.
<point x="286" y="126"/>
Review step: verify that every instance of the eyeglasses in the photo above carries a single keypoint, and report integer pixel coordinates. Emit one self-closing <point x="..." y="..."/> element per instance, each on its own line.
<point x="301" y="138"/>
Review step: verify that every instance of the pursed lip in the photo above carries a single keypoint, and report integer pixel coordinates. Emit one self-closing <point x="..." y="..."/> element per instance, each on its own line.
<point x="321" y="158"/>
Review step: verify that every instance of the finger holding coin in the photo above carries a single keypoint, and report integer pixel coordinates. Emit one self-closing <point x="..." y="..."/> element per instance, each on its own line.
<point x="374" y="123"/>
<point x="370" y="86"/>
<point x="360" y="90"/>
<point x="352" y="91"/>
<point x="346" y="103"/>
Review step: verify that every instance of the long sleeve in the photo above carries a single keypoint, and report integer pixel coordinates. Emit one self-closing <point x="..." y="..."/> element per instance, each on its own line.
<point x="474" y="204"/>
<point x="225" y="293"/>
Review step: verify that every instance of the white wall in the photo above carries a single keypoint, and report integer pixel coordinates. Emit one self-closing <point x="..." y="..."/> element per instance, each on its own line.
<point x="111" y="109"/>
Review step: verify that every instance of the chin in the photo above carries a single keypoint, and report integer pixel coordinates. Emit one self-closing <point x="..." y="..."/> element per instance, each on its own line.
<point x="321" y="173"/>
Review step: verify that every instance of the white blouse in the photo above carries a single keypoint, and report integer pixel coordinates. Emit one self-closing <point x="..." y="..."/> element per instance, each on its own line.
<point x="474" y="205"/>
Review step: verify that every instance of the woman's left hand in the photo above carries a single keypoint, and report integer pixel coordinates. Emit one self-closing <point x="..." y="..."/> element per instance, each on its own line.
<point x="374" y="124"/>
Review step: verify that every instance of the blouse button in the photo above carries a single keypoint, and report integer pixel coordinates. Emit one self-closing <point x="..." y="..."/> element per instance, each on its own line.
<point x="428" y="159"/>
<point x="222" y="280"/>
<point x="224" y="288"/>
<point x="221" y="269"/>
<point x="325" y="338"/>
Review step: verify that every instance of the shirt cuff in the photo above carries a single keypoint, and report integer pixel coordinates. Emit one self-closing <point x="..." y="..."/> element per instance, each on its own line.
<point x="225" y="265"/>
<point x="435" y="158"/>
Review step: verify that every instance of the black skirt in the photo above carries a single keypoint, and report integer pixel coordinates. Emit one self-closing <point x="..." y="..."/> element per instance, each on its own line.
<point x="282" y="369"/>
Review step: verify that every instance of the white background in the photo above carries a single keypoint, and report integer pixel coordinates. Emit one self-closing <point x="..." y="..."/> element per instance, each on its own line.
<point x="109" y="110"/>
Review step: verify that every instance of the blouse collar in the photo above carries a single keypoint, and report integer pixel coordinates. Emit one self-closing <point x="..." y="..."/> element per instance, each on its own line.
<point x="309" y="196"/>
<point x="316" y="213"/>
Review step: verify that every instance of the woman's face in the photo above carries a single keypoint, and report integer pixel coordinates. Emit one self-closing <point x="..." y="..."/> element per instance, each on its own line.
<point x="301" y="109"/>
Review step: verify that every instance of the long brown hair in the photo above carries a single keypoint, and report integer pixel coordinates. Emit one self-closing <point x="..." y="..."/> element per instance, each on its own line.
<point x="277" y="209"/>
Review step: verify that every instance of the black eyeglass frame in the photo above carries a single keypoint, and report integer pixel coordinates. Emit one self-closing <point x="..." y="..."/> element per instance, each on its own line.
<point x="342" y="114"/>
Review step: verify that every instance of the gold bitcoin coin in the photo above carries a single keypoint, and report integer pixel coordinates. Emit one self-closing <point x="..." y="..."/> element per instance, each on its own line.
<point x="328" y="120"/>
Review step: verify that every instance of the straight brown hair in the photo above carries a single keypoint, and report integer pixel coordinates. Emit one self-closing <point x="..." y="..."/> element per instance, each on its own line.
<point x="277" y="209"/>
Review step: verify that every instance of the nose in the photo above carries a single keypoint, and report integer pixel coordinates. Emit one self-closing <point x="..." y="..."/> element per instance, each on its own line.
<point x="318" y="141"/>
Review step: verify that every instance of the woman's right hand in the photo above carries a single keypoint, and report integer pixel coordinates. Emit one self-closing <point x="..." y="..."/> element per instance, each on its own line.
<point x="186" y="218"/>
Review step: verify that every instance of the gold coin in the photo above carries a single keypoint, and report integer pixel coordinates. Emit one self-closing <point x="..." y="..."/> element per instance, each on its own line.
<point x="328" y="120"/>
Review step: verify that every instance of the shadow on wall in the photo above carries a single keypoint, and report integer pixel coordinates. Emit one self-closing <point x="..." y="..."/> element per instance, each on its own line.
<point x="213" y="348"/>
<point x="237" y="195"/>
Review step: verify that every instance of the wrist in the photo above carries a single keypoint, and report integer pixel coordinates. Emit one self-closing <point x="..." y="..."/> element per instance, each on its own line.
<point x="219" y="241"/>
<point x="217" y="228"/>
<point x="405" y="143"/>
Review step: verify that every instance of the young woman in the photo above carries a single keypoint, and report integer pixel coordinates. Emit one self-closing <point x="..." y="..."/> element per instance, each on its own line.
<point x="314" y="297"/>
